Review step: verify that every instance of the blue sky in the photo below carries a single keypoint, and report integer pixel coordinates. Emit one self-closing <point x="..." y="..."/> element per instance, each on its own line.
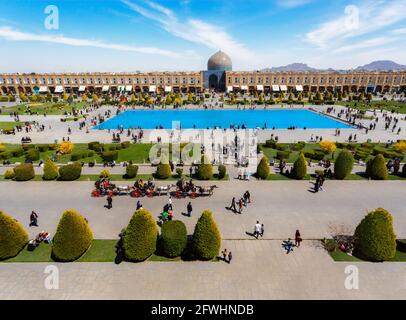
<point x="150" y="35"/>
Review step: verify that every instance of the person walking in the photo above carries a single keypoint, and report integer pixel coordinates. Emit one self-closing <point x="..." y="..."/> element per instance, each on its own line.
<point x="33" y="219"/>
<point x="257" y="229"/>
<point x="224" y="253"/>
<point x="109" y="202"/>
<point x="248" y="196"/>
<point x="298" y="238"/>
<point x="232" y="206"/>
<point x="189" y="209"/>
<point x="262" y="230"/>
<point x="230" y="257"/>
<point x="240" y="204"/>
<point x="139" y="205"/>
<point x="170" y="203"/>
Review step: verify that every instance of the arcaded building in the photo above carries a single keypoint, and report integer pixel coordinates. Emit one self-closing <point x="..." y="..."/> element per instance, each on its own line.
<point x="219" y="76"/>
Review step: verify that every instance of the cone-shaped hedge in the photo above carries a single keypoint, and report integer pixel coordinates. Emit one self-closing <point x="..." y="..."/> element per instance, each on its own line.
<point x="72" y="238"/>
<point x="343" y="165"/>
<point x="376" y="168"/>
<point x="140" y="237"/>
<point x="50" y="170"/>
<point x="263" y="169"/>
<point x="374" y="237"/>
<point x="173" y="238"/>
<point x="163" y="170"/>
<point x="13" y="237"/>
<point x="299" y="169"/>
<point x="204" y="169"/>
<point x="206" y="237"/>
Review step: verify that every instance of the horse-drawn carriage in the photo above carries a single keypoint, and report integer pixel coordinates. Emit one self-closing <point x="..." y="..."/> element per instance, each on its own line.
<point x="189" y="189"/>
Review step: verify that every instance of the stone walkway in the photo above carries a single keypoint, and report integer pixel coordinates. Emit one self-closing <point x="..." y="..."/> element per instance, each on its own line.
<point x="283" y="206"/>
<point x="259" y="270"/>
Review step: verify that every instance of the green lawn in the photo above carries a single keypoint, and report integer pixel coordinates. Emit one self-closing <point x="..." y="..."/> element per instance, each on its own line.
<point x="99" y="251"/>
<point x="395" y="106"/>
<point x="353" y="176"/>
<point x="49" y="108"/>
<point x="138" y="153"/>
<point x="271" y="153"/>
<point x="340" y="256"/>
<point x="11" y="125"/>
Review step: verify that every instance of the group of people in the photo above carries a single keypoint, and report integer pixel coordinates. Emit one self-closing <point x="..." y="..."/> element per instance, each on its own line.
<point x="242" y="202"/>
<point x="288" y="244"/>
<point x="318" y="185"/>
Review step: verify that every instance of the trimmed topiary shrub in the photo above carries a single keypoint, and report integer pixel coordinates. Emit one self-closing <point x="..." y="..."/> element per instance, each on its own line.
<point x="24" y="172"/>
<point x="109" y="155"/>
<point x="72" y="238"/>
<point x="13" y="237"/>
<point x="43" y="147"/>
<point x="376" y="168"/>
<point x="263" y="169"/>
<point x="125" y="144"/>
<point x="140" y="238"/>
<point x="206" y="237"/>
<point x="70" y="172"/>
<point x="163" y="170"/>
<point x="204" y="169"/>
<point x="282" y="155"/>
<point x="6" y="155"/>
<point x="78" y="155"/>
<point x="343" y="165"/>
<point x="374" y="238"/>
<point x="131" y="171"/>
<point x="299" y="169"/>
<point x="9" y="174"/>
<point x="173" y="238"/>
<point x="32" y="155"/>
<point x="50" y="170"/>
<point x="94" y="145"/>
<point x="17" y="152"/>
<point x="222" y="171"/>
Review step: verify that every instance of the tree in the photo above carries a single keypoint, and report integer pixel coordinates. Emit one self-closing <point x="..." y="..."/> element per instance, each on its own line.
<point x="95" y="98"/>
<point x="85" y="97"/>
<point x="400" y="146"/>
<point x="376" y="168"/>
<point x="343" y="165"/>
<point x="299" y="169"/>
<point x="163" y="170"/>
<point x="174" y="238"/>
<point x="328" y="146"/>
<point x="263" y="169"/>
<point x="50" y="170"/>
<point x="24" y="172"/>
<point x="13" y="237"/>
<point x="140" y="237"/>
<point x="318" y="96"/>
<point x="374" y="237"/>
<point x="206" y="237"/>
<point x="66" y="147"/>
<point x="204" y="169"/>
<point x="72" y="238"/>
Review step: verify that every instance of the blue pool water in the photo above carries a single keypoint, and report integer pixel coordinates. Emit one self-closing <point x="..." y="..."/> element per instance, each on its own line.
<point x="202" y="119"/>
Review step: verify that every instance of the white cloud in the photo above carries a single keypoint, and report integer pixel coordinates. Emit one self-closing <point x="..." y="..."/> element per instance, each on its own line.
<point x="374" y="42"/>
<point x="369" y="17"/>
<point x="193" y="30"/>
<point x="11" y="34"/>
<point x="400" y="31"/>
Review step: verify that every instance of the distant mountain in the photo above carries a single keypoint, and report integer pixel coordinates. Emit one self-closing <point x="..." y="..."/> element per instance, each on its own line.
<point x="383" y="65"/>
<point x="294" y="67"/>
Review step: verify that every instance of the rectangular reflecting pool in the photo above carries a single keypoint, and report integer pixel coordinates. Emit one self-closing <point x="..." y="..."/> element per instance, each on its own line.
<point x="204" y="119"/>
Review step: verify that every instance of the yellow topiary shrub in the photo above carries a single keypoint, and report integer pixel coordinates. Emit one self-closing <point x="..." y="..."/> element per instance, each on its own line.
<point x="328" y="146"/>
<point x="400" y="146"/>
<point x="66" y="147"/>
<point x="105" y="173"/>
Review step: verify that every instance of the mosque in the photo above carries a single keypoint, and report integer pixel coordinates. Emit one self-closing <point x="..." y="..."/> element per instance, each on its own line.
<point x="219" y="76"/>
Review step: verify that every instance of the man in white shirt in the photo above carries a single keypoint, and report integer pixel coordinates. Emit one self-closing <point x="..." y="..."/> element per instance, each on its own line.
<point x="170" y="203"/>
<point x="258" y="229"/>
